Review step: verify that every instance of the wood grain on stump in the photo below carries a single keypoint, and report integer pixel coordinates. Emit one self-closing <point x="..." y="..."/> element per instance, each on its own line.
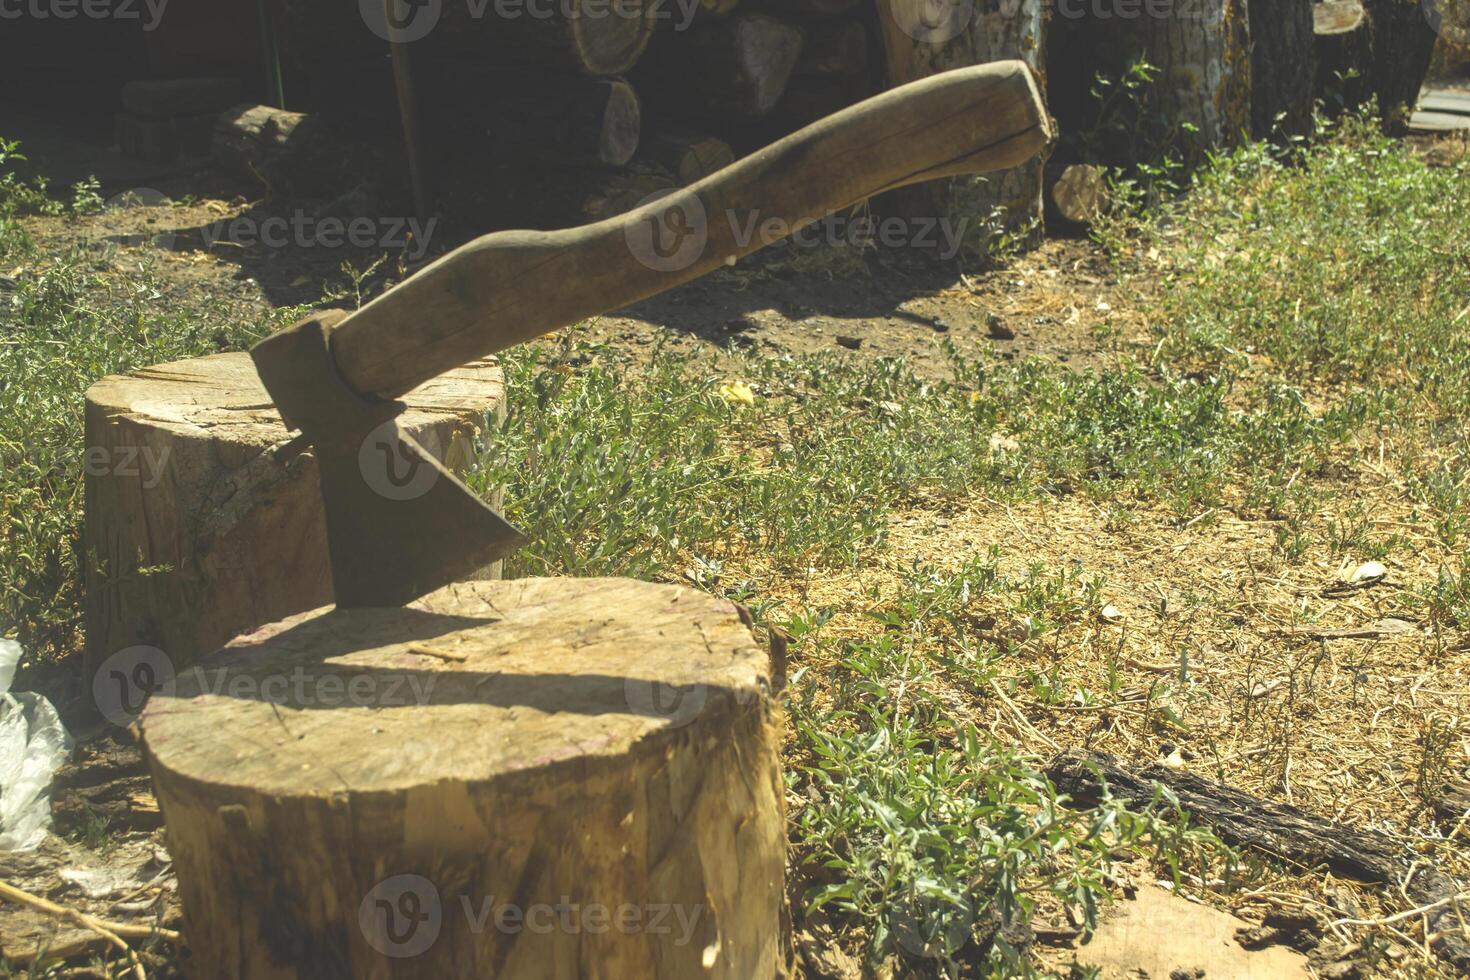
<point x="195" y="531"/>
<point x="535" y="778"/>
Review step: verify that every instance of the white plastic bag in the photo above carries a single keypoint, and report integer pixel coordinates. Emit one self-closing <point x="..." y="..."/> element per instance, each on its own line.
<point x="33" y="745"/>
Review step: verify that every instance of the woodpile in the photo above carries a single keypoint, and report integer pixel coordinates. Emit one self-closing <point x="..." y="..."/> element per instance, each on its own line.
<point x="544" y="115"/>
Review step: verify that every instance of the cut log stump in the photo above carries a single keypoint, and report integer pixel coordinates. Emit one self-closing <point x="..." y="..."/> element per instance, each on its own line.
<point x="1344" y="42"/>
<point x="921" y="39"/>
<point x="195" y="531"/>
<point x="1283" y="68"/>
<point x="552" y="778"/>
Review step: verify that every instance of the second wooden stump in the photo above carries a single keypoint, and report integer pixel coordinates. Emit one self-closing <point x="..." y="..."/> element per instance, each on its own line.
<point x="195" y="530"/>
<point x="552" y="778"/>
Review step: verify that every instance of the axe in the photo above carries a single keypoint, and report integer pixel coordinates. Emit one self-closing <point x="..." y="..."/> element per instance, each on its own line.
<point x="336" y="378"/>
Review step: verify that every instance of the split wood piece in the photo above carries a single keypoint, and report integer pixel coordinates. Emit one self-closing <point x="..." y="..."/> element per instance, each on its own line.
<point x="838" y="47"/>
<point x="167" y="98"/>
<point x="621" y="192"/>
<point x="988" y="31"/>
<point x="1283" y="68"/>
<point x="516" y="111"/>
<point x="195" y="531"/>
<point x="1344" y="42"/>
<point x="723" y="71"/>
<point x="1276" y="829"/>
<point x="586" y="37"/>
<point x="1403" y="45"/>
<point x="1080" y="194"/>
<point x="589" y="786"/>
<point x="687" y="155"/>
<point x="1201" y="92"/>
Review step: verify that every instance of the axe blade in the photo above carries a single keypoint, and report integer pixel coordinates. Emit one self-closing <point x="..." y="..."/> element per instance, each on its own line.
<point x="400" y="525"/>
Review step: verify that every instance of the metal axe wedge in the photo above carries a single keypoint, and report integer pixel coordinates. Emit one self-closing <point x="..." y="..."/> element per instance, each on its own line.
<point x="399" y="530"/>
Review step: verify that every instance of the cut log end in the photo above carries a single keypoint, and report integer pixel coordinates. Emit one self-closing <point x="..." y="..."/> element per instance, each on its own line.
<point x="604" y="744"/>
<point x="1080" y="193"/>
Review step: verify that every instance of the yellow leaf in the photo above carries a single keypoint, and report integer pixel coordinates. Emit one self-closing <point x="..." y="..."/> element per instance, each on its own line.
<point x="737" y="393"/>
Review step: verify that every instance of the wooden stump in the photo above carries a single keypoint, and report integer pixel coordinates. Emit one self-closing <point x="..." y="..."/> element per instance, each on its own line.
<point x="1200" y="97"/>
<point x="1403" y="44"/>
<point x="1344" y="54"/>
<point x="1283" y="68"/>
<point x="195" y="531"/>
<point x="556" y="778"/>
<point x="916" y="45"/>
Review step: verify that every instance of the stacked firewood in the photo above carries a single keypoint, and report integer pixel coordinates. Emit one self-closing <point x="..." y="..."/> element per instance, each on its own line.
<point x="545" y="113"/>
<point x="575" y="110"/>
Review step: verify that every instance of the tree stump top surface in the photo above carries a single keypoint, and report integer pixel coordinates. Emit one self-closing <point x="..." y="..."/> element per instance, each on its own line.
<point x="223" y="394"/>
<point x="475" y="682"/>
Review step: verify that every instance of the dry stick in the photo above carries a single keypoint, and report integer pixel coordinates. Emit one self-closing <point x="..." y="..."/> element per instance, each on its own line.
<point x="1408" y="914"/>
<point x="110" y="931"/>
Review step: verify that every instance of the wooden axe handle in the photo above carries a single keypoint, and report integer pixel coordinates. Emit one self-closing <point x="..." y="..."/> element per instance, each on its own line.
<point x="506" y="288"/>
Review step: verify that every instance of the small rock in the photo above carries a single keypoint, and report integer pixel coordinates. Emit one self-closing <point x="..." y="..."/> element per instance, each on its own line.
<point x="999" y="329"/>
<point x="939" y="326"/>
<point x="851" y="343"/>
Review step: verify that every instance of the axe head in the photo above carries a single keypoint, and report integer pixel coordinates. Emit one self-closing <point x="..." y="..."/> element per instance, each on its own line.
<point x="399" y="524"/>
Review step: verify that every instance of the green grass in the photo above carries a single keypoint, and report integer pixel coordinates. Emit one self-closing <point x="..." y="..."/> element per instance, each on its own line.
<point x="66" y="320"/>
<point x="1304" y="312"/>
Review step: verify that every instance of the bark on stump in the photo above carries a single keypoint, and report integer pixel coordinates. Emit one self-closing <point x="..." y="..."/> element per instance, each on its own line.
<point x="1283" y="67"/>
<point x="916" y="45"/>
<point x="195" y="531"/>
<point x="1201" y="94"/>
<point x="1403" y="44"/>
<point x="1344" y="54"/>
<point x="570" y="759"/>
